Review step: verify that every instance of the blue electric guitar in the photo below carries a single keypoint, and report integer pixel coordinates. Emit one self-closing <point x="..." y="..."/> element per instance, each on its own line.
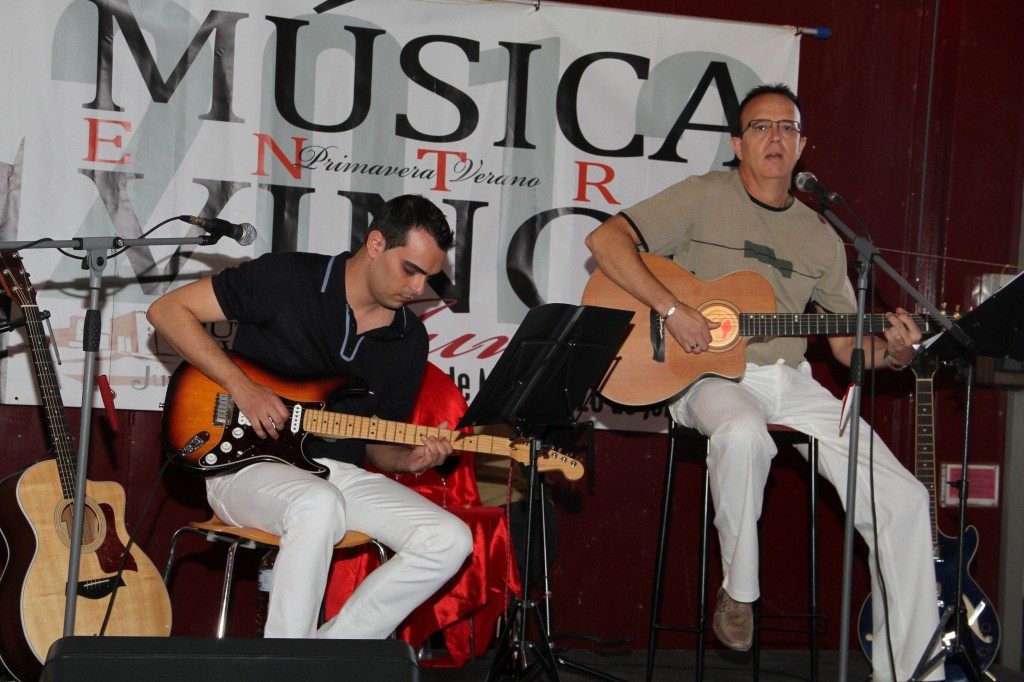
<point x="982" y="622"/>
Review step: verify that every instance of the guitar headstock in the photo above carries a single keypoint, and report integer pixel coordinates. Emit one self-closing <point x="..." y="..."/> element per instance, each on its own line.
<point x="548" y="459"/>
<point x="954" y="315"/>
<point x="15" y="280"/>
<point x="924" y="366"/>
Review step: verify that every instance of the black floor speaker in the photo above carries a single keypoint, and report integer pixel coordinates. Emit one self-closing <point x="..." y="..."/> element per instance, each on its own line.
<point x="102" y="659"/>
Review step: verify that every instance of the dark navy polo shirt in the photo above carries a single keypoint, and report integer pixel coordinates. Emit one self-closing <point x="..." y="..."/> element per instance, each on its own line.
<point x="293" y="318"/>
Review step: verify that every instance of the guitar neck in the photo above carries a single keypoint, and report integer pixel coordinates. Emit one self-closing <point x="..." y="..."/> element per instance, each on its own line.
<point x="49" y="389"/>
<point x="806" y="324"/>
<point x="924" y="446"/>
<point x="337" y="425"/>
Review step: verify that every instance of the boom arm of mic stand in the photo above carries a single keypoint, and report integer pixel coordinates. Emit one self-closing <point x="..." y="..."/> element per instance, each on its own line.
<point x="871" y="255"/>
<point x="96" y="249"/>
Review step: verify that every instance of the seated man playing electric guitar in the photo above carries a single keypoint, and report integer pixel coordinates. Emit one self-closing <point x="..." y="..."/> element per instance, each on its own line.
<point x="304" y="315"/>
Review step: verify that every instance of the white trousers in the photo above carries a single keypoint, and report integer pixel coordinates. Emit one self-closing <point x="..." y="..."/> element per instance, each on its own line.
<point x="311" y="515"/>
<point x="734" y="415"/>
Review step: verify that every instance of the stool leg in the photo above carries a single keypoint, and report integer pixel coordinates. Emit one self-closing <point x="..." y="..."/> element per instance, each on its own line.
<point x="171" y="550"/>
<point x="702" y="570"/>
<point x="225" y="592"/>
<point x="659" y="561"/>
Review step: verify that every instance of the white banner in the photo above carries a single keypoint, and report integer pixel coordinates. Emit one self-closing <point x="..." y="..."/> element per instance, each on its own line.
<point x="528" y="126"/>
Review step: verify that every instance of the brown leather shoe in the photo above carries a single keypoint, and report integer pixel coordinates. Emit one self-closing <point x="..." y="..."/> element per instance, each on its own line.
<point x="733" y="622"/>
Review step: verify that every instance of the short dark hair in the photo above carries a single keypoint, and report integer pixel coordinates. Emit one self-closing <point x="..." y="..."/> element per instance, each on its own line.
<point x="408" y="212"/>
<point x="771" y="89"/>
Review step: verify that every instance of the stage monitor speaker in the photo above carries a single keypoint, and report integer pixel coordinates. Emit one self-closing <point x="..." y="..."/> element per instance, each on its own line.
<point x="101" y="659"/>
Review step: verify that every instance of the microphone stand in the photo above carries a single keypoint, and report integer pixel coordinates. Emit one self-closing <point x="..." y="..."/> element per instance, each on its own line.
<point x="96" y="249"/>
<point x="869" y="256"/>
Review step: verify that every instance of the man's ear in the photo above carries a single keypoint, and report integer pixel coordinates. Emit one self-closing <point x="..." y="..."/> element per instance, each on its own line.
<point x="375" y="243"/>
<point x="737" y="147"/>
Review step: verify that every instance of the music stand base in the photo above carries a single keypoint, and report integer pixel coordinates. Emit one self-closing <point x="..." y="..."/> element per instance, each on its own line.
<point x="572" y="665"/>
<point x="511" y="654"/>
<point x="962" y="655"/>
<point x="514" y="648"/>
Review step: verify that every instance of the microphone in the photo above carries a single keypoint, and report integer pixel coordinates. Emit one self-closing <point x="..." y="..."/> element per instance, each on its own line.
<point x="806" y="182"/>
<point x="243" y="233"/>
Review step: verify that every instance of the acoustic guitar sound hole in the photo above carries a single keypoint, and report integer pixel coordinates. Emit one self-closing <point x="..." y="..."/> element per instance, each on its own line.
<point x="94" y="526"/>
<point x="727" y="335"/>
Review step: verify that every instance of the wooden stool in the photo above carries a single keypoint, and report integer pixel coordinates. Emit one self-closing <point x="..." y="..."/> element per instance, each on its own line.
<point x="702" y="625"/>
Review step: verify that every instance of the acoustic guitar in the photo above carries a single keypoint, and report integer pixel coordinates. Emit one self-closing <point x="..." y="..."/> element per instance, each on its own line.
<point x="983" y="622"/>
<point x="35" y="522"/>
<point x="652" y="368"/>
<point x="204" y="431"/>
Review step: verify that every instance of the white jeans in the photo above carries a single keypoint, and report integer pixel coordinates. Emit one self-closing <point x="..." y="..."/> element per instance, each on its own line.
<point x="734" y="415"/>
<point x="311" y="515"/>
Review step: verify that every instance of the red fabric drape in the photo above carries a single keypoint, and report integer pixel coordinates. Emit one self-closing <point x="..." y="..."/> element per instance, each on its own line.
<point x="466" y="608"/>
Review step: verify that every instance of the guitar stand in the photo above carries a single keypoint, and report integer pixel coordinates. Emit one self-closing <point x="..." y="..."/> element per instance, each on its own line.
<point x="958" y="642"/>
<point x="11" y="325"/>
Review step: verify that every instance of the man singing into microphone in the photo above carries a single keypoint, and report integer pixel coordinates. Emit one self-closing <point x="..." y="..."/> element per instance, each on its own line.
<point x="749" y="219"/>
<point x="303" y="315"/>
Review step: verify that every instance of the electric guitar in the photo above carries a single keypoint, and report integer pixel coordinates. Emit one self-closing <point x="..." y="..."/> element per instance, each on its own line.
<point x="652" y="368"/>
<point x="35" y="522"/>
<point x="205" y="432"/>
<point x="982" y="622"/>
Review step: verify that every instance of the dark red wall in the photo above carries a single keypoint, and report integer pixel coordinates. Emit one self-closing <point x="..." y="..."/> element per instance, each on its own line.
<point x="953" y="195"/>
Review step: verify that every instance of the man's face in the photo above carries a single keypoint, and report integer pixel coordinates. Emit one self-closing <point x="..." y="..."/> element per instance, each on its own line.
<point x="774" y="152"/>
<point x="399" y="275"/>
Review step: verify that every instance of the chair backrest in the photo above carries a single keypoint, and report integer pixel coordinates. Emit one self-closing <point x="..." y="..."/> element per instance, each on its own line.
<point x="438" y="400"/>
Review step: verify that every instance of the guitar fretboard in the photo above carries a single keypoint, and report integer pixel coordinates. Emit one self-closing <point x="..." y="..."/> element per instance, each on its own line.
<point x="806" y="324"/>
<point x="924" y="439"/>
<point x="17" y="285"/>
<point x="336" y="425"/>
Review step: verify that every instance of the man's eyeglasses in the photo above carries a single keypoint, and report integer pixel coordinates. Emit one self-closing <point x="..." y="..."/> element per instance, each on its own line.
<point x="763" y="126"/>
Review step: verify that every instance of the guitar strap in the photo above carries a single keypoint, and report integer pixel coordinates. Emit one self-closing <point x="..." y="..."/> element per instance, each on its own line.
<point x="657" y="325"/>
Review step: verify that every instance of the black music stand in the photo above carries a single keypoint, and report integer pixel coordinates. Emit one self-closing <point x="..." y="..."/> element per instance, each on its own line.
<point x="543" y="378"/>
<point x="995" y="329"/>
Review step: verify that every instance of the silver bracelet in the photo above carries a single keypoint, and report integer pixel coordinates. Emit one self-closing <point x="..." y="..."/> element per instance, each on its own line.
<point x="892" y="363"/>
<point x="675" y="306"/>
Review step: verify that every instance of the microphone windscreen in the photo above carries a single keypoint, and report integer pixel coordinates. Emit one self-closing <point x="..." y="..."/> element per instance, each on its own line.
<point x="248" y="234"/>
<point x="806" y="181"/>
